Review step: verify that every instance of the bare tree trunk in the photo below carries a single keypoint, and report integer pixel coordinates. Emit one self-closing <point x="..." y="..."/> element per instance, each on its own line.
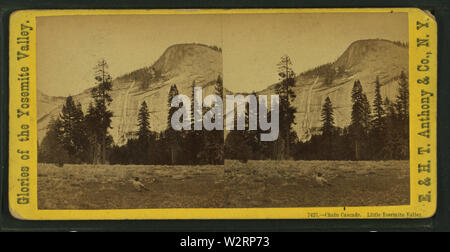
<point x="287" y="153"/>
<point x="330" y="148"/>
<point x="94" y="150"/>
<point x="356" y="150"/>
<point x="280" y="149"/>
<point x="172" y="155"/>
<point x="103" y="158"/>
<point x="95" y="154"/>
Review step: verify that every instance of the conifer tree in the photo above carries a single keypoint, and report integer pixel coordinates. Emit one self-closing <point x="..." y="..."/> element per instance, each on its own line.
<point x="327" y="118"/>
<point x="195" y="138"/>
<point x="143" y="123"/>
<point x="379" y="113"/>
<point x="328" y="128"/>
<point x="402" y="105"/>
<point x="360" y="118"/>
<point x="144" y="134"/>
<point x="99" y="116"/>
<point x="389" y="133"/>
<point x="216" y="146"/>
<point x="51" y="149"/>
<point x="389" y="108"/>
<point x="367" y="114"/>
<point x="173" y="91"/>
<point x="253" y="136"/>
<point x="402" y="102"/>
<point x="172" y="135"/>
<point x="73" y="131"/>
<point x="284" y="89"/>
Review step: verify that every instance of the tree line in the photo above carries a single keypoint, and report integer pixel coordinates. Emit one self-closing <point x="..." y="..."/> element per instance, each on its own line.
<point x="74" y="137"/>
<point x="184" y="147"/>
<point x="377" y="132"/>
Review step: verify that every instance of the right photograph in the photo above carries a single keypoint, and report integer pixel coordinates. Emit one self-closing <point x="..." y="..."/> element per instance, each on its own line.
<point x="342" y="83"/>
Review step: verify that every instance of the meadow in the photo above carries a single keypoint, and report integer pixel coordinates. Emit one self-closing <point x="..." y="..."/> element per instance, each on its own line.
<point x="235" y="184"/>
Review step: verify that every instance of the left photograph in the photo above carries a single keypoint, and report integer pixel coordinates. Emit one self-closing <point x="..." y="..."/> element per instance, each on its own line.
<point x="104" y="90"/>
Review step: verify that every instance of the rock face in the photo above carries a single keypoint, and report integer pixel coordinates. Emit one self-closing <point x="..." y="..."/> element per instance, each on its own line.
<point x="185" y="63"/>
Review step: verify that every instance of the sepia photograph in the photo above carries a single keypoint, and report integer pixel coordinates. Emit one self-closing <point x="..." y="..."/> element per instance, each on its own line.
<point x="273" y="110"/>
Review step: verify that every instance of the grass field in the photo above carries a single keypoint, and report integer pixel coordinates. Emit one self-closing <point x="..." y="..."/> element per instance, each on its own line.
<point x="236" y="184"/>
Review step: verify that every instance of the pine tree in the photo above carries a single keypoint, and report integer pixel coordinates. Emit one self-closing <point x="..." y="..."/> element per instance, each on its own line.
<point x="195" y="139"/>
<point x="93" y="134"/>
<point x="367" y="114"/>
<point x="360" y="119"/>
<point x="389" y="108"/>
<point x="328" y="129"/>
<point x="216" y="146"/>
<point x="67" y="120"/>
<point x="327" y="118"/>
<point x="402" y="105"/>
<point x="171" y="134"/>
<point x="144" y="134"/>
<point x="207" y="146"/>
<point x="173" y="91"/>
<point x="379" y="113"/>
<point x="402" y="102"/>
<point x="143" y="123"/>
<point x="73" y="131"/>
<point x="284" y="89"/>
<point x="237" y="147"/>
<point x="99" y="116"/>
<point x="389" y="133"/>
<point x="253" y="136"/>
<point x="51" y="149"/>
<point x="193" y="105"/>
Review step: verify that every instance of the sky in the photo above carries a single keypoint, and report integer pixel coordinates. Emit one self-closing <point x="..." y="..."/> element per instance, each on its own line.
<point x="68" y="47"/>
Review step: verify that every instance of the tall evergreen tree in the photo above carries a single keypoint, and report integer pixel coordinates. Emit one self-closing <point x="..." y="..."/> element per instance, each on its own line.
<point x="99" y="115"/>
<point x="328" y="128"/>
<point x="389" y="137"/>
<point x="284" y="89"/>
<point x="379" y="113"/>
<point x="173" y="91"/>
<point x="73" y="130"/>
<point x="389" y="108"/>
<point x="143" y="122"/>
<point x="327" y="115"/>
<point x="219" y="86"/>
<point x="402" y="102"/>
<point x="253" y="136"/>
<point x="367" y="114"/>
<point x="360" y="118"/>
<point x="51" y="149"/>
<point x="171" y="134"/>
<point x="144" y="133"/>
<point x="216" y="145"/>
<point x="402" y="105"/>
<point x="195" y="138"/>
